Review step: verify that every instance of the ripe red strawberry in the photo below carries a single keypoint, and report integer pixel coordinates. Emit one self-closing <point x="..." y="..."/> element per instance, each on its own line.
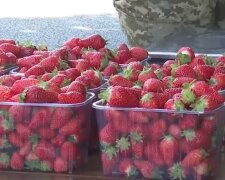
<point x="21" y="84"/>
<point x="175" y="131"/>
<point x="174" y="105"/>
<point x="123" y="46"/>
<point x="199" y="88"/>
<point x="58" y="140"/>
<point x="46" y="133"/>
<point x="139" y="53"/>
<point x="71" y="97"/>
<point x="171" y="91"/>
<point x="8" y="47"/>
<point x="85" y="81"/>
<point x="138" y="117"/>
<point x="193" y="158"/>
<point x="82" y="65"/>
<point x="76" y="86"/>
<point x="111" y="69"/>
<point x="221" y="59"/>
<point x="167" y="68"/>
<point x="23" y="131"/>
<point x="131" y="74"/>
<point x="72" y="42"/>
<point x="219" y="69"/>
<point x="137" y="144"/>
<point x="120" y="121"/>
<point x="72" y="73"/>
<point x="182" y="59"/>
<point x="44" y="150"/>
<point x="15" y="140"/>
<point x="157" y="129"/>
<point x="208" y="124"/>
<point x="36" y="71"/>
<point x="124" y="147"/>
<point x="168" y="148"/>
<point x="97" y="60"/>
<point x="204" y="72"/>
<point x="8" y="80"/>
<point x="203" y="168"/>
<point x="94" y="76"/>
<point x="127" y="168"/>
<point x="109" y="159"/>
<point x="26" y="149"/>
<point x="162" y="98"/>
<point x="187" y="50"/>
<point x="146" y="74"/>
<point x="198" y="60"/>
<point x="4" y="160"/>
<point x="60" y="53"/>
<point x="27" y="49"/>
<point x="60" y="80"/>
<point x="71" y="127"/>
<point x="184" y="71"/>
<point x="5" y="92"/>
<point x="10" y="41"/>
<point x="60" y="117"/>
<point x="29" y="61"/>
<point x="107" y="135"/>
<point x="122" y="56"/>
<point x="35" y="94"/>
<point x="152" y="153"/>
<point x="217" y="81"/>
<point x="94" y="41"/>
<point x="189" y="121"/>
<point x="4" y="59"/>
<point x="119" y="80"/>
<point x="69" y="151"/>
<point x="60" y="165"/>
<point x="153" y="85"/>
<point x="147" y="169"/>
<point x="50" y="63"/>
<point x="40" y="118"/>
<point x="149" y="101"/>
<point x="180" y="81"/>
<point x="119" y="97"/>
<point x="168" y="81"/>
<point x="17" y="161"/>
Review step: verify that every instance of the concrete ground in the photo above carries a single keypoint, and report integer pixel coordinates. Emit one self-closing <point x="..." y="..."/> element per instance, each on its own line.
<point x="53" y="22"/>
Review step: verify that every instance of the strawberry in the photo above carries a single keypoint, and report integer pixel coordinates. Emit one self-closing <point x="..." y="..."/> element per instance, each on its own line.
<point x="221" y="59"/>
<point x="69" y="151"/>
<point x="97" y="60"/>
<point x="72" y="42"/>
<point x="50" y="63"/>
<point x="60" y="117"/>
<point x="8" y="47"/>
<point x="118" y="80"/>
<point x="82" y="65"/>
<point x="175" y="131"/>
<point x="119" y="97"/>
<point x="4" y="160"/>
<point x="94" y="76"/>
<point x="188" y="51"/>
<point x="124" y="147"/>
<point x="152" y="153"/>
<point x="147" y="169"/>
<point x="171" y="91"/>
<point x="35" y="94"/>
<point x="72" y="73"/>
<point x="107" y="134"/>
<point x="208" y="124"/>
<point x="203" y="168"/>
<point x="20" y="85"/>
<point x="126" y="167"/>
<point x="71" y="97"/>
<point x="26" y="149"/>
<point x="23" y="131"/>
<point x="182" y="59"/>
<point x="36" y="71"/>
<point x="44" y="150"/>
<point x="189" y="121"/>
<point x="17" y="161"/>
<point x="29" y="61"/>
<point x="204" y="72"/>
<point x="168" y="148"/>
<point x="219" y="69"/>
<point x="174" y="105"/>
<point x="162" y="98"/>
<point x="109" y="159"/>
<point x="76" y="86"/>
<point x="153" y="85"/>
<point x="130" y="73"/>
<point x="111" y="69"/>
<point x="94" y="41"/>
<point x="199" y="88"/>
<point x="139" y="53"/>
<point x="149" y="101"/>
<point x="4" y="143"/>
<point x="60" y="165"/>
<point x="4" y="59"/>
<point x="217" y="81"/>
<point x="60" y="80"/>
<point x="167" y="68"/>
<point x="122" y="56"/>
<point x="60" y="53"/>
<point x="146" y="74"/>
<point x="85" y="81"/>
<point x="197" y="60"/>
<point x="15" y="140"/>
<point x="8" y="80"/>
<point x="120" y="121"/>
<point x="58" y="140"/>
<point x="187" y="96"/>
<point x="71" y="127"/>
<point x="137" y="144"/>
<point x="10" y="41"/>
<point x="138" y="117"/>
<point x="46" y="133"/>
<point x="123" y="46"/>
<point x="168" y="81"/>
<point x="184" y="71"/>
<point x="6" y="123"/>
<point x="180" y="81"/>
<point x="157" y="129"/>
<point x="5" y="92"/>
<point x="40" y="118"/>
<point x="193" y="158"/>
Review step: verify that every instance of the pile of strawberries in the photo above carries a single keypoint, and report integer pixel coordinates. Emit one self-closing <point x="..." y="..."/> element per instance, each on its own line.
<point x="43" y="138"/>
<point x="166" y="122"/>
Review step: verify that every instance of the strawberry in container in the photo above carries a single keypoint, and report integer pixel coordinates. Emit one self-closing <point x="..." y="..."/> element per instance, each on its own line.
<point x="43" y="129"/>
<point x="156" y="132"/>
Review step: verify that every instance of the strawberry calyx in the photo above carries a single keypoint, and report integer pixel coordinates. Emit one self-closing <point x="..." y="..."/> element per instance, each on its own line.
<point x="209" y="60"/>
<point x="127" y="72"/>
<point x="104" y="63"/>
<point x="131" y="171"/>
<point x="176" y="172"/>
<point x="200" y="104"/>
<point x="7" y="122"/>
<point x="189" y="134"/>
<point x="104" y="94"/>
<point x="156" y="174"/>
<point x="4" y="159"/>
<point x="147" y="97"/>
<point x="22" y="96"/>
<point x="65" y="82"/>
<point x="187" y="96"/>
<point x="137" y="137"/>
<point x="5" y="142"/>
<point x="42" y="47"/>
<point x="63" y="65"/>
<point x="37" y="165"/>
<point x="26" y="44"/>
<point x="110" y="151"/>
<point x="182" y="58"/>
<point x="158" y="73"/>
<point x="123" y="143"/>
<point x="178" y="105"/>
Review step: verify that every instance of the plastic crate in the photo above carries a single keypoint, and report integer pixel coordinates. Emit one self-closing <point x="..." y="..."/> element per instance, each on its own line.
<point x="6" y="70"/>
<point x="44" y="136"/>
<point x="131" y="136"/>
